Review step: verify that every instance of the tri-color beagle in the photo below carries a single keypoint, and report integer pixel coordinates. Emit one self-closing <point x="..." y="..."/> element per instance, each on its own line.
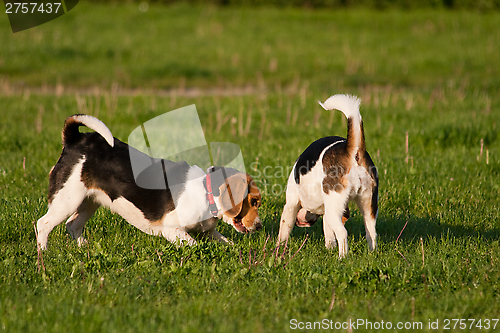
<point x="95" y="169"/>
<point x="331" y="172"/>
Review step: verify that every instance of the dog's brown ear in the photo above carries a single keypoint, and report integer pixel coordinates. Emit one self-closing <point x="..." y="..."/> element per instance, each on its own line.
<point x="232" y="193"/>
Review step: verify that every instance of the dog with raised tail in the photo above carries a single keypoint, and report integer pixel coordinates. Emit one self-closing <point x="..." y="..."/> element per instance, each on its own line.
<point x="329" y="174"/>
<point x="95" y="169"/>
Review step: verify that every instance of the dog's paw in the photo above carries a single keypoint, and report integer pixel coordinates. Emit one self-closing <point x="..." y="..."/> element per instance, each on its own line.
<point x="81" y="241"/>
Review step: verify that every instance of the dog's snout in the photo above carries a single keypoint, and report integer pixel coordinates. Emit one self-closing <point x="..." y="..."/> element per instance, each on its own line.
<point x="258" y="226"/>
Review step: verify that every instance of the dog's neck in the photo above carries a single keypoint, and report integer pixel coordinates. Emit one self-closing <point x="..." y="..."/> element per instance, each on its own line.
<point x="215" y="177"/>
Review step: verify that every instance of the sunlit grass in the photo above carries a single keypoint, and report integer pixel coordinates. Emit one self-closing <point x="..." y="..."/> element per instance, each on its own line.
<point x="429" y="88"/>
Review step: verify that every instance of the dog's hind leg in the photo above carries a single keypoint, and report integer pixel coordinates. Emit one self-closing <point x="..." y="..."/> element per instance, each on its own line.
<point x="57" y="213"/>
<point x="76" y="222"/>
<point x="333" y="226"/>
<point x="335" y="233"/>
<point x="368" y="205"/>
<point x="63" y="204"/>
<point x="61" y="207"/>
<point x="331" y="234"/>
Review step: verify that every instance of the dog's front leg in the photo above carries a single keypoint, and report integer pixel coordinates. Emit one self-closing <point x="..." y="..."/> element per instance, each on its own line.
<point x="215" y="235"/>
<point x="287" y="220"/>
<point x="177" y="234"/>
<point x="76" y="222"/>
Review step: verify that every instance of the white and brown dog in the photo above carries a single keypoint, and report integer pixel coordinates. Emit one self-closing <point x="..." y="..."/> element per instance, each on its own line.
<point x="95" y="169"/>
<point x="331" y="172"/>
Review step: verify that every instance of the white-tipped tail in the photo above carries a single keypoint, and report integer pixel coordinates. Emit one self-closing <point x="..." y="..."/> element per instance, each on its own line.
<point x="94" y="124"/>
<point x="348" y="105"/>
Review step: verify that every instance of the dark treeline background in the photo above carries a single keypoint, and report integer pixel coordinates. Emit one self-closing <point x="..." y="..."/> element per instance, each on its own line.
<point x="482" y="5"/>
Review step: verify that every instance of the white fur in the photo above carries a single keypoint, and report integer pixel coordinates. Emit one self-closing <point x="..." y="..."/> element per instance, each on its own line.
<point x="348" y="105"/>
<point x="96" y="125"/>
<point x="193" y="195"/>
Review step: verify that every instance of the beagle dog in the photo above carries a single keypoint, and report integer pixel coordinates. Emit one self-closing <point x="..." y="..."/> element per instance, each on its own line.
<point x="95" y="169"/>
<point x="331" y="172"/>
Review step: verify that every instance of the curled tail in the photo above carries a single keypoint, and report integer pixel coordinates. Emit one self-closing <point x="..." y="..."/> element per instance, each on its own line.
<point x="349" y="106"/>
<point x="71" y="134"/>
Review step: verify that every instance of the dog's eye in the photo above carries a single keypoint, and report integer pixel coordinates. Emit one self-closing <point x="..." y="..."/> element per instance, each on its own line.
<point x="254" y="202"/>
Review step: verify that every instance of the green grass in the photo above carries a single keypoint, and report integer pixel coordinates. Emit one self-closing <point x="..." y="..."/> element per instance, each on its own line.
<point x="429" y="76"/>
<point x="209" y="46"/>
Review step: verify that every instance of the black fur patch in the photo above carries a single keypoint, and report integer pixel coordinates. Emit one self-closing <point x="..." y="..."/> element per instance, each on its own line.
<point x="109" y="169"/>
<point x="372" y="170"/>
<point x="307" y="160"/>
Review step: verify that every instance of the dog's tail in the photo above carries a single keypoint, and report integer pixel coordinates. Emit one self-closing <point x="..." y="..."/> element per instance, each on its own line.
<point x="71" y="134"/>
<point x="349" y="106"/>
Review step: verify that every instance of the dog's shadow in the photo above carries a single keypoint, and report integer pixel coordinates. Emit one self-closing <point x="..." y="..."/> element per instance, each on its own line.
<point x="392" y="229"/>
<point x="411" y="228"/>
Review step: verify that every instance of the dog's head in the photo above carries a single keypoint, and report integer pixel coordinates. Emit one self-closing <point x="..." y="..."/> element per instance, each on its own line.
<point x="240" y="200"/>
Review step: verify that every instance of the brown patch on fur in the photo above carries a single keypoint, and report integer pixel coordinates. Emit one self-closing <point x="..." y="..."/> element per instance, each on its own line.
<point x="236" y="204"/>
<point x="337" y="160"/>
<point x="362" y="146"/>
<point x="87" y="179"/>
<point x="350" y="138"/>
<point x="249" y="209"/>
<point x="232" y="194"/>
<point x="157" y="223"/>
<point x="336" y="165"/>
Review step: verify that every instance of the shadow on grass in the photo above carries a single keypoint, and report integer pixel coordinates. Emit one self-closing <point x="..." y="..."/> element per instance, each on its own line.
<point x="425" y="228"/>
<point x="389" y="229"/>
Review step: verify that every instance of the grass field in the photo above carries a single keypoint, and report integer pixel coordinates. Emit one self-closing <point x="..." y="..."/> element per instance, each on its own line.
<point x="429" y="83"/>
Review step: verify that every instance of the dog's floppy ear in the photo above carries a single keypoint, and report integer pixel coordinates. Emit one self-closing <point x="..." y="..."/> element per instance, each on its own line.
<point x="232" y="193"/>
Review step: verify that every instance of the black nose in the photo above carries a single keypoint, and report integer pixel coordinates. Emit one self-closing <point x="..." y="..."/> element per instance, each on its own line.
<point x="258" y="226"/>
